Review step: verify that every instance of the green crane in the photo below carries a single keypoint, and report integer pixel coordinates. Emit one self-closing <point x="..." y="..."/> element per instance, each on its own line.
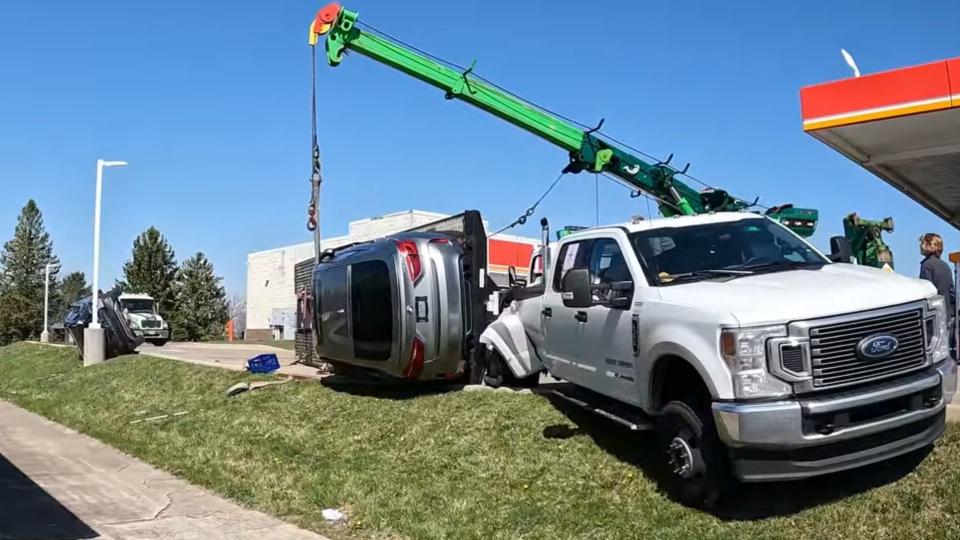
<point x="588" y="151"/>
<point x="866" y="240"/>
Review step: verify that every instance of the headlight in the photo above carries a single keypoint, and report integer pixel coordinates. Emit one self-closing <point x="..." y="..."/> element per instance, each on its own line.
<point x="745" y="352"/>
<point x="938" y="333"/>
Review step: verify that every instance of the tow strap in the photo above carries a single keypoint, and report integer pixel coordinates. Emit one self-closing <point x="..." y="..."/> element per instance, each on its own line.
<point x="313" y="210"/>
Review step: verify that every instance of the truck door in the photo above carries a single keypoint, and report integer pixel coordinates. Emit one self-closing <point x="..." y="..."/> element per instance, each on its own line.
<point x="612" y="327"/>
<point x="564" y="333"/>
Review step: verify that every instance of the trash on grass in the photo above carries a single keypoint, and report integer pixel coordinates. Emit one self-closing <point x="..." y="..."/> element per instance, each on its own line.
<point x="263" y="363"/>
<point x="333" y="515"/>
<point x="242" y="387"/>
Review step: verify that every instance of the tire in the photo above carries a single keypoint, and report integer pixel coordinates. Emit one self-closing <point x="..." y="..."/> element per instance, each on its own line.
<point x="489" y="368"/>
<point x="158" y="342"/>
<point x="696" y="467"/>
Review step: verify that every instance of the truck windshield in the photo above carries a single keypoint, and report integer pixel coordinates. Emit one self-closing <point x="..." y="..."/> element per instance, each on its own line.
<point x="138" y="306"/>
<point x="673" y="255"/>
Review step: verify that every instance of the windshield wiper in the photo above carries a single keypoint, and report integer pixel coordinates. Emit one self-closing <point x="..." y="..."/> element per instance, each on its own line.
<point x="785" y="265"/>
<point x="668" y="279"/>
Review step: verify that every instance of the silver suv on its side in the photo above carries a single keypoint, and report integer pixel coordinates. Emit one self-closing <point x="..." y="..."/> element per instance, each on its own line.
<point x="397" y="305"/>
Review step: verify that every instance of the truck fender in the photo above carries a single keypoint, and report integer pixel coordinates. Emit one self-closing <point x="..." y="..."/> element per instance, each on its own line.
<point x="667" y="349"/>
<point x="507" y="336"/>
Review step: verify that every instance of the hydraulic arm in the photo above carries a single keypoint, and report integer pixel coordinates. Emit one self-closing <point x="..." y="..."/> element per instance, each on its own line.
<point x="586" y="149"/>
<point x="866" y="240"/>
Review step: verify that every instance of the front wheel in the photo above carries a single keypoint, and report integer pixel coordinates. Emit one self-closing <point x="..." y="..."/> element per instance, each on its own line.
<point x="696" y="466"/>
<point x="158" y="342"/>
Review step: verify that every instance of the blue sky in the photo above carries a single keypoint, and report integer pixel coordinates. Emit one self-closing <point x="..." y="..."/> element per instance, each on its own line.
<point x="209" y="102"/>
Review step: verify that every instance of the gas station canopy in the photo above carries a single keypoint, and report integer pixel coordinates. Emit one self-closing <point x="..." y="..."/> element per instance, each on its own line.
<point x="902" y="125"/>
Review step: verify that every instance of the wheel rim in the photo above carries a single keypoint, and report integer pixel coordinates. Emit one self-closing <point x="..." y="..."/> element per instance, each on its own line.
<point x="680" y="457"/>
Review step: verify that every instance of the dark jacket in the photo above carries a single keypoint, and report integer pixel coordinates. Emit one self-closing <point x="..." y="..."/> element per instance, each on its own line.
<point x="934" y="270"/>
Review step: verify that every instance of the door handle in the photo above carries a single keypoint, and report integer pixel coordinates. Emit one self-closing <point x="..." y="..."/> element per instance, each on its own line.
<point x="547" y="312"/>
<point x="581" y="316"/>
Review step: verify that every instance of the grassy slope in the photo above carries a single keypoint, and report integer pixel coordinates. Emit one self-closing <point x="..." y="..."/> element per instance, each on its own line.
<point x="457" y="465"/>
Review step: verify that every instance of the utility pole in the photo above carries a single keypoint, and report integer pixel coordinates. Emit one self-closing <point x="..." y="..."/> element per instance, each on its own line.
<point x="94" y="342"/>
<point x="45" y="334"/>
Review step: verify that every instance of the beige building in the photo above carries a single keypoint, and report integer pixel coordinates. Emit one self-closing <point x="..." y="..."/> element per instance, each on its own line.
<point x="271" y="297"/>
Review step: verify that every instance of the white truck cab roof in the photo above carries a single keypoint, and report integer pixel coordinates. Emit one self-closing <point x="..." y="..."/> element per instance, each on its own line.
<point x="135" y="296"/>
<point x="675" y="221"/>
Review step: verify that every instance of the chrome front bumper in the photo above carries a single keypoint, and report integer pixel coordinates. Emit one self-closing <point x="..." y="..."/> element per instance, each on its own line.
<point x="152" y="333"/>
<point x="817" y="435"/>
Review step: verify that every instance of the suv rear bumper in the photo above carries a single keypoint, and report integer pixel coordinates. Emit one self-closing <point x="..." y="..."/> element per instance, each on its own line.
<point x="809" y="436"/>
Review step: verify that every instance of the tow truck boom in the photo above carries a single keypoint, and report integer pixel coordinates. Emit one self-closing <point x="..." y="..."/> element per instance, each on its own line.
<point x="587" y="151"/>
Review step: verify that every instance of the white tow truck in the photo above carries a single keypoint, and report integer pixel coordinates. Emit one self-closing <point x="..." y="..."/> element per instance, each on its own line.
<point x="140" y="310"/>
<point x="747" y="350"/>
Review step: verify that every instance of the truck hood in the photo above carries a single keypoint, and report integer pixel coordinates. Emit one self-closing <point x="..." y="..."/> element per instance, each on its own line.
<point x="793" y="295"/>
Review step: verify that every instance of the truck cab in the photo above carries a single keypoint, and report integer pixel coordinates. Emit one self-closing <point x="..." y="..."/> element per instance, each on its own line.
<point x="748" y="349"/>
<point x="140" y="311"/>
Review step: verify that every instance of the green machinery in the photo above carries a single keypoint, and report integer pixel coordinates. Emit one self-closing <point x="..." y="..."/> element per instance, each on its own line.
<point x="866" y="240"/>
<point x="587" y="149"/>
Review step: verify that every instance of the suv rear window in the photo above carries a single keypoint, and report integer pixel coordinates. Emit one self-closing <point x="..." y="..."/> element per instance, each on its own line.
<point x="371" y="310"/>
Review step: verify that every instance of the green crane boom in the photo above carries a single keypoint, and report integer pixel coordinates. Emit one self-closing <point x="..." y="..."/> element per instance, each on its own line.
<point x="587" y="151"/>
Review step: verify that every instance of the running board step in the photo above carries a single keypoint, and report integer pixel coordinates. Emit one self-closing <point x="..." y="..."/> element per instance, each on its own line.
<point x="611" y="409"/>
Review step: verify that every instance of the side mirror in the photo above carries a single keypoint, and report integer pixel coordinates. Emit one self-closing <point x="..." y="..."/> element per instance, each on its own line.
<point x="576" y="288"/>
<point x="513" y="280"/>
<point x="622" y="297"/>
<point x="840" y="250"/>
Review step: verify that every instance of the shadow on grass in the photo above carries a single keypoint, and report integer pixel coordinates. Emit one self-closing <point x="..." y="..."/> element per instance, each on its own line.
<point x="27" y="511"/>
<point x="749" y="501"/>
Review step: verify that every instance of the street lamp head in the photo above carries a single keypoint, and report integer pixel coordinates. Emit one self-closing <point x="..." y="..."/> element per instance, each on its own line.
<point x="53" y="267"/>
<point x="113" y="163"/>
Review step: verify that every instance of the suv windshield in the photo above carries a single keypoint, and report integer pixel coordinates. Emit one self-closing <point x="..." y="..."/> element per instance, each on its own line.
<point x="672" y="255"/>
<point x="138" y="306"/>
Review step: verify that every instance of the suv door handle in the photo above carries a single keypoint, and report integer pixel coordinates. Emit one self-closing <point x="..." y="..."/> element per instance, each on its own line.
<point x="547" y="312"/>
<point x="581" y="316"/>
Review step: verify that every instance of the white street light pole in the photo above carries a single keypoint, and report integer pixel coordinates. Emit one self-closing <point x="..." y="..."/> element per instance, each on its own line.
<point x="45" y="334"/>
<point x="93" y="340"/>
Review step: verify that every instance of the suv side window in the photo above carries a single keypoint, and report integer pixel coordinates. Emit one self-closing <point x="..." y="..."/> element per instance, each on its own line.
<point x="607" y="265"/>
<point x="572" y="255"/>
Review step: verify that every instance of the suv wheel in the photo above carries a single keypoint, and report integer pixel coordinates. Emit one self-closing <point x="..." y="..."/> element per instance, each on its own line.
<point x="695" y="464"/>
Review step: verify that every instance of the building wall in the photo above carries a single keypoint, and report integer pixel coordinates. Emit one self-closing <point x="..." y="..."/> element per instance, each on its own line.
<point x="270" y="273"/>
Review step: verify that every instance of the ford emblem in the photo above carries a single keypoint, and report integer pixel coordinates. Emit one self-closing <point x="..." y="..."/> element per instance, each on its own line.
<point x="879" y="346"/>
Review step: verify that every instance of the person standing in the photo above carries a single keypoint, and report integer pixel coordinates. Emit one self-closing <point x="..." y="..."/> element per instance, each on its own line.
<point x="934" y="270"/>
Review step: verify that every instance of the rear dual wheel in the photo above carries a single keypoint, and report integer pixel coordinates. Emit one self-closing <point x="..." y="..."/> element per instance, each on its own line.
<point x="489" y="368"/>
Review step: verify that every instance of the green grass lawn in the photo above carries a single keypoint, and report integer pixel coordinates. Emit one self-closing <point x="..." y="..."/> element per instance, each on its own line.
<point x="454" y="465"/>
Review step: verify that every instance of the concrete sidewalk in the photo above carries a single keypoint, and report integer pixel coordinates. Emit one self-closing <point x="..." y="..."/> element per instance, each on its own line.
<point x="231" y="356"/>
<point x="58" y="484"/>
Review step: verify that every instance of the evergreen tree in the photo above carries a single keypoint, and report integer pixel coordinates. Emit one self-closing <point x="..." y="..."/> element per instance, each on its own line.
<point x="22" y="266"/>
<point x="152" y="270"/>
<point x="73" y="287"/>
<point x="202" y="308"/>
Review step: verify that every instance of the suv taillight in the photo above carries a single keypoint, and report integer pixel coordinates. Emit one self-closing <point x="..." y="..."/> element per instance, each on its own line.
<point x="415" y="366"/>
<point x="408" y="248"/>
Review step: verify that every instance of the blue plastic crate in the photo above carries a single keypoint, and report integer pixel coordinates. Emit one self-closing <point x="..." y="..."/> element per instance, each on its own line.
<point x="263" y="363"/>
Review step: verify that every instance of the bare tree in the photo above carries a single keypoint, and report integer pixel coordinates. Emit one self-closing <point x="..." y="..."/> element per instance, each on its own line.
<point x="237" y="309"/>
